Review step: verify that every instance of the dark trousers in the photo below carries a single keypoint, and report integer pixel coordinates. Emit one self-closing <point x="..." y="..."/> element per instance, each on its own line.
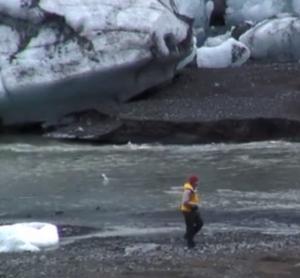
<point x="194" y="223"/>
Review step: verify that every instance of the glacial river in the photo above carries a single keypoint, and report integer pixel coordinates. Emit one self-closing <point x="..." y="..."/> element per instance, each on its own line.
<point x="253" y="186"/>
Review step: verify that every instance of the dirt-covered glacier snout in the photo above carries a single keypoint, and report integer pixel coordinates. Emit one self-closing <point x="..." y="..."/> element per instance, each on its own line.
<point x="83" y="53"/>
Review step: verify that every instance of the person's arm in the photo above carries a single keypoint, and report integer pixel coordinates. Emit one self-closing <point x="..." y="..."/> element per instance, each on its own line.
<point x="186" y="199"/>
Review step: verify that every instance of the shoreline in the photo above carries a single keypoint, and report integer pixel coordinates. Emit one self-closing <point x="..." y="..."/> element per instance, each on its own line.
<point x="223" y="254"/>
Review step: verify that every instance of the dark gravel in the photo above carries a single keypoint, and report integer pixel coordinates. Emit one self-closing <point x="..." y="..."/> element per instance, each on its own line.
<point x="224" y="254"/>
<point x="253" y="102"/>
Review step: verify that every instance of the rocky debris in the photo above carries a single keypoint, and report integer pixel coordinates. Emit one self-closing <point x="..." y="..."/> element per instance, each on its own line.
<point x="88" y="125"/>
<point x="238" y="254"/>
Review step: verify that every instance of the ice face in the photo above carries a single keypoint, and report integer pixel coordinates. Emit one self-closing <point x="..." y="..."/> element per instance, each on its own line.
<point x="23" y="9"/>
<point x="274" y="39"/>
<point x="296" y="6"/>
<point x="103" y="35"/>
<point x="87" y="43"/>
<point x="229" y="53"/>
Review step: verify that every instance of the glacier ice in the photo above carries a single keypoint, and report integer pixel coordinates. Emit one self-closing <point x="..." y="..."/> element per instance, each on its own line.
<point x="229" y="53"/>
<point x="276" y="39"/>
<point x="22" y="9"/>
<point x="200" y="12"/>
<point x="253" y="10"/>
<point x="217" y="40"/>
<point x="296" y="7"/>
<point x="79" y="45"/>
<point x="28" y="237"/>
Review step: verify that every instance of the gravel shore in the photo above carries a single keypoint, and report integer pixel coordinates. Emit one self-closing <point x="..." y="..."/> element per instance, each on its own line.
<point x="250" y="103"/>
<point x="223" y="254"/>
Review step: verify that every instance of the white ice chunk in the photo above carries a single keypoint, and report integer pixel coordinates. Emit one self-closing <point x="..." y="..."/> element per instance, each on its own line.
<point x="229" y="53"/>
<point x="254" y="10"/>
<point x="28" y="237"/>
<point x="275" y="39"/>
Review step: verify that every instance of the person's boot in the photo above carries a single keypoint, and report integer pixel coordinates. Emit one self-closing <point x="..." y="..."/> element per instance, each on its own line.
<point x="191" y="244"/>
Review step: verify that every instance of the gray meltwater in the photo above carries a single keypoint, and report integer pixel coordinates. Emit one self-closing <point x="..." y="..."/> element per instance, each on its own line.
<point x="243" y="186"/>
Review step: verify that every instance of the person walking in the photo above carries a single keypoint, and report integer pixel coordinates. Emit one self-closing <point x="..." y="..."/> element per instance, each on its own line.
<point x="190" y="210"/>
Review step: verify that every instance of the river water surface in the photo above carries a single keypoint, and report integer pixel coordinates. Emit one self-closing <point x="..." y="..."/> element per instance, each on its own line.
<point x="253" y="186"/>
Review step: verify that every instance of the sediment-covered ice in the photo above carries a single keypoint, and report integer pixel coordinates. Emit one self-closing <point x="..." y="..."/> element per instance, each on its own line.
<point x="276" y="39"/>
<point x="28" y="237"/>
<point x="80" y="40"/>
<point x="229" y="53"/>
<point x="22" y="9"/>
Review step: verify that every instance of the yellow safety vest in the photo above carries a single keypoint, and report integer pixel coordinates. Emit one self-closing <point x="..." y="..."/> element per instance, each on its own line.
<point x="194" y="198"/>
